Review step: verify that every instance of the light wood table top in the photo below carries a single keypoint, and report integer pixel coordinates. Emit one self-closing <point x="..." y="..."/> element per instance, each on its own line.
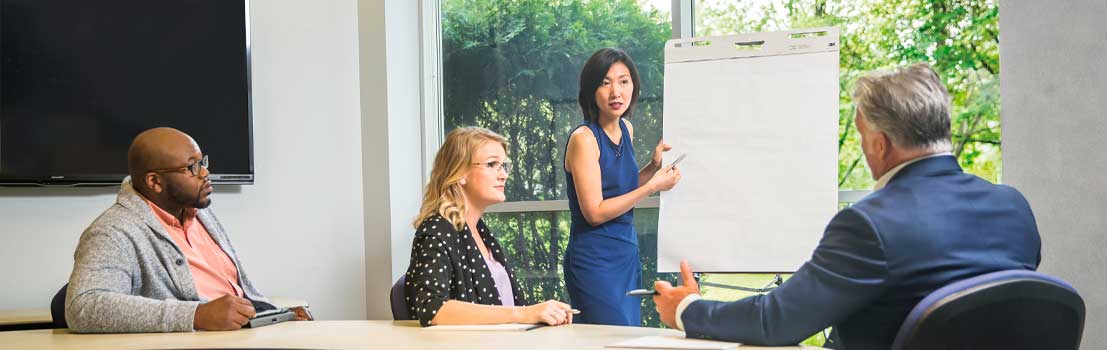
<point x="25" y="316"/>
<point x="42" y="315"/>
<point x="341" y="335"/>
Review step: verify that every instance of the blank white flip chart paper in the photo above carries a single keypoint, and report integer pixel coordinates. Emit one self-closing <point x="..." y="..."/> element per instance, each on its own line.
<point x="757" y="116"/>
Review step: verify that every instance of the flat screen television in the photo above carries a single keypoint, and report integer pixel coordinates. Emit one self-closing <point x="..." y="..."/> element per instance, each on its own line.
<point x="79" y="79"/>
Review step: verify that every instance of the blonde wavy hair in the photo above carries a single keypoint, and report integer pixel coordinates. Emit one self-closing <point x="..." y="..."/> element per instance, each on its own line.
<point x="443" y="194"/>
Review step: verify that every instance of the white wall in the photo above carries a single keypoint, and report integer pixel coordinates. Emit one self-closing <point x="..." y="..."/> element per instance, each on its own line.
<point x="1053" y="89"/>
<point x="299" y="229"/>
<point x="39" y="228"/>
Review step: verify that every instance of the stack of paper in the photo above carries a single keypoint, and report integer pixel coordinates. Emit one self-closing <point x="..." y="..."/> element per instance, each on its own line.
<point x="673" y="342"/>
<point x="486" y="327"/>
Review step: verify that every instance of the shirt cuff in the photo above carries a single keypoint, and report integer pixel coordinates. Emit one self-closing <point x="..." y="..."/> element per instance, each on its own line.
<point x="684" y="305"/>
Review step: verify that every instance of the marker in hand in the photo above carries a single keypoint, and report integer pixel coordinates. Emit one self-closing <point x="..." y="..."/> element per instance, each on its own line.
<point x="642" y="292"/>
<point x="679" y="158"/>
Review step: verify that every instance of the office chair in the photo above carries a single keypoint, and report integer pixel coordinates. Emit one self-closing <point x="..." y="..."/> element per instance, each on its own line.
<point x="1013" y="309"/>
<point x="57" y="308"/>
<point x="399" y="305"/>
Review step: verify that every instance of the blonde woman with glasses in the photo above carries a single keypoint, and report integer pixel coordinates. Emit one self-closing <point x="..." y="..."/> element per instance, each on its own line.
<point x="458" y="273"/>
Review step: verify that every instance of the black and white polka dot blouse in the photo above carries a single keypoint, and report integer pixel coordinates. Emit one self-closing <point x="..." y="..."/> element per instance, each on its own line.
<point x="447" y="265"/>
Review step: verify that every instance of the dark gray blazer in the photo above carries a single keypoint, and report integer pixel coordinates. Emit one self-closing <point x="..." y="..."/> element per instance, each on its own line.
<point x="130" y="276"/>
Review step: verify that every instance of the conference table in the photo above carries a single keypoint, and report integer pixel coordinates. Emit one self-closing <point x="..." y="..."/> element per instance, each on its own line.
<point x="343" y="335"/>
<point x="25" y="319"/>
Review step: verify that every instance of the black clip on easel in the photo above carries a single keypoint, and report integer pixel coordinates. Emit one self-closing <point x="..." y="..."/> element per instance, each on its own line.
<point x="776" y="282"/>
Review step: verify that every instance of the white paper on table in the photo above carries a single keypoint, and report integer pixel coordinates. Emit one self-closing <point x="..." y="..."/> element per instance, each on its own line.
<point x="509" y="327"/>
<point x="760" y="128"/>
<point x="673" y="342"/>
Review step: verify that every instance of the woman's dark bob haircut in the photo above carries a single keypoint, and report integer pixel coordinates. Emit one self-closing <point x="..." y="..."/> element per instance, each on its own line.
<point x="591" y="76"/>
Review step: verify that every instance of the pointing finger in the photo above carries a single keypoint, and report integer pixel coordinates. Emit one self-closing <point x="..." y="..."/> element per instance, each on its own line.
<point x="686" y="273"/>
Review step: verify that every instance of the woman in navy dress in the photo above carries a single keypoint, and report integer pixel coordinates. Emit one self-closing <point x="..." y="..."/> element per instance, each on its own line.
<point x="603" y="183"/>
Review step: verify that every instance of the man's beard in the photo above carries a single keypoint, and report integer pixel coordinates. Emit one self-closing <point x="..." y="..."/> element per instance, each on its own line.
<point x="182" y="197"/>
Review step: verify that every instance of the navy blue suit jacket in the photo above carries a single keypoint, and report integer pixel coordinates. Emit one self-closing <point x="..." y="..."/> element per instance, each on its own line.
<point x="931" y="225"/>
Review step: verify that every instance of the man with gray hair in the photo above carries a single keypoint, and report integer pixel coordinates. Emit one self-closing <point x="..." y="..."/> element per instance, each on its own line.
<point x="925" y="225"/>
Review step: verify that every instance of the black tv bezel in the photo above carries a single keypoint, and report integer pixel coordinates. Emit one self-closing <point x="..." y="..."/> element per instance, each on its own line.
<point x="63" y="180"/>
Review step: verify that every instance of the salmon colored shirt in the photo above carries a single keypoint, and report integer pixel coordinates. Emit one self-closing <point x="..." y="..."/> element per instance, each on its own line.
<point x="212" y="270"/>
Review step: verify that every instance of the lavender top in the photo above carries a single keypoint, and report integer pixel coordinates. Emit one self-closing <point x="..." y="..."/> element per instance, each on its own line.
<point x="503" y="281"/>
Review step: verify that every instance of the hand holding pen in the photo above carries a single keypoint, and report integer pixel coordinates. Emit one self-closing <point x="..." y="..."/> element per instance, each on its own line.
<point x="668" y="297"/>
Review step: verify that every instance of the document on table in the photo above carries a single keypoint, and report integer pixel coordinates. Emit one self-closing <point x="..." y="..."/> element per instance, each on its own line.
<point x="673" y="342"/>
<point x="517" y="327"/>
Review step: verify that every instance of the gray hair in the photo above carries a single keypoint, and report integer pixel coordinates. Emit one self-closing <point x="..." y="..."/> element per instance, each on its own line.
<point x="909" y="105"/>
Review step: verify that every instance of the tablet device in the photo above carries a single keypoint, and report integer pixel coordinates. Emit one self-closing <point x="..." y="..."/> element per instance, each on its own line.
<point x="269" y="317"/>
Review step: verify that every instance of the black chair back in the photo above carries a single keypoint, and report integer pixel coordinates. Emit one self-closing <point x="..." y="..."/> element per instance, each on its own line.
<point x="1010" y="310"/>
<point x="399" y="305"/>
<point x="57" y="308"/>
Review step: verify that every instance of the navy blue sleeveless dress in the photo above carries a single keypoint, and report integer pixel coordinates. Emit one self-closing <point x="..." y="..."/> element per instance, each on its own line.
<point x="601" y="263"/>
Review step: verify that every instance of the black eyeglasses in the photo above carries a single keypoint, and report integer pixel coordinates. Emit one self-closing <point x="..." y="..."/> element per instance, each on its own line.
<point x="193" y="168"/>
<point x="497" y="165"/>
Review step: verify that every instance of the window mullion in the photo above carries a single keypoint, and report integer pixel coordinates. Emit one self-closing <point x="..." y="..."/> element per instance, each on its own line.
<point x="682" y="19"/>
<point x="431" y="71"/>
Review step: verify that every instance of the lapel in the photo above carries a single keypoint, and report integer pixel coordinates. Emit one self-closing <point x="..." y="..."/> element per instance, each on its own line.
<point x="497" y="254"/>
<point x="215" y="230"/>
<point x="133" y="202"/>
<point x="216" y="233"/>
<point x="130" y="199"/>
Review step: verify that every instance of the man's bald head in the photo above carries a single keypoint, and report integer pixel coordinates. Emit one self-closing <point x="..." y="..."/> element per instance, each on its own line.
<point x="158" y="148"/>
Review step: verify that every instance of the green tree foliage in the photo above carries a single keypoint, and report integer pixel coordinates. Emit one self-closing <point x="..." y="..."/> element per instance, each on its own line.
<point x="960" y="38"/>
<point x="513" y="66"/>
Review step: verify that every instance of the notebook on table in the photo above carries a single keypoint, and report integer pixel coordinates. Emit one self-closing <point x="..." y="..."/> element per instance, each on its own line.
<point x="508" y="327"/>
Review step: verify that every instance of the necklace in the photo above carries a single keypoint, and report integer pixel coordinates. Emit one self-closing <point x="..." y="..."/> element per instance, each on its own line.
<point x="617" y="148"/>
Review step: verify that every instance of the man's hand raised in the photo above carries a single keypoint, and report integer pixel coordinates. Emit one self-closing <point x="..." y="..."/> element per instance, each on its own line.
<point x="668" y="297"/>
<point x="227" y="313"/>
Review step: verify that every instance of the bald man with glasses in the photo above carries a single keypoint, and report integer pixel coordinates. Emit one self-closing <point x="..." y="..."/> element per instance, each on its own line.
<point x="158" y="260"/>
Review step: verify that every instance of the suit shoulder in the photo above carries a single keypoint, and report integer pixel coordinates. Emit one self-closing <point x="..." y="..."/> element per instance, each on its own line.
<point x="853" y="216"/>
<point x="1011" y="190"/>
<point x="859" y="223"/>
<point x="113" y="233"/>
<point x="873" y="201"/>
<point x="854" y="231"/>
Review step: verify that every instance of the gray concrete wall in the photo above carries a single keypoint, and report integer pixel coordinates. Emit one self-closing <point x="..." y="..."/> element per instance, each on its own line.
<point x="389" y="56"/>
<point x="1053" y="91"/>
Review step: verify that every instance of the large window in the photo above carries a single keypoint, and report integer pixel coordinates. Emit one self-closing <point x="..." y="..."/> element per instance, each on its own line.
<point x="513" y="66"/>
